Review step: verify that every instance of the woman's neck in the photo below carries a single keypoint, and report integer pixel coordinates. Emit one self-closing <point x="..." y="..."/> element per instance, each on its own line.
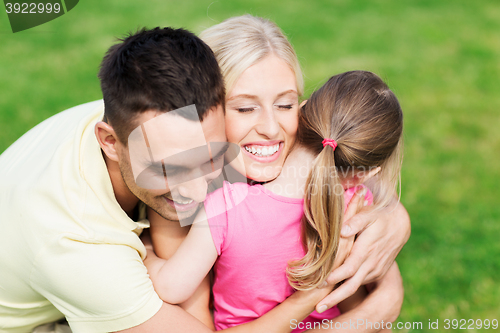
<point x="292" y="179"/>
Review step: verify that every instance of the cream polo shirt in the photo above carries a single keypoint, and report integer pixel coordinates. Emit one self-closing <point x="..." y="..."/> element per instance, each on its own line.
<point x="66" y="246"/>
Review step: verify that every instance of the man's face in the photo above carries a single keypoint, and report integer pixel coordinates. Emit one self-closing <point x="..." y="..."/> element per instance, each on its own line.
<point x="171" y="161"/>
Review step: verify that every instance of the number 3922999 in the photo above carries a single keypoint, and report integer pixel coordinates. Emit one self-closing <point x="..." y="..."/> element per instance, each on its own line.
<point x="32" y="8"/>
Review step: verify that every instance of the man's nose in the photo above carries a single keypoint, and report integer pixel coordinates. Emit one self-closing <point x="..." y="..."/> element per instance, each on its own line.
<point x="195" y="189"/>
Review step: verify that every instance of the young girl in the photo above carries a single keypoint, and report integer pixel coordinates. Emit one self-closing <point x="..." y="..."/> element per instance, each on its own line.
<point x="273" y="239"/>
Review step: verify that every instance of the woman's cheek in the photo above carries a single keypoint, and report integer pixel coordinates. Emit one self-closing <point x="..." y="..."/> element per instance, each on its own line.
<point x="235" y="130"/>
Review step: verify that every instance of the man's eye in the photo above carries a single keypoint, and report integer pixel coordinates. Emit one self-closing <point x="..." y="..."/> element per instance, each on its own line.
<point x="157" y="171"/>
<point x="245" y="109"/>
<point x="218" y="158"/>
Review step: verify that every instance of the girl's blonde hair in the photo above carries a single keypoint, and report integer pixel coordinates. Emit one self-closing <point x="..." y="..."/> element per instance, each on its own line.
<point x="242" y="41"/>
<point x="359" y="112"/>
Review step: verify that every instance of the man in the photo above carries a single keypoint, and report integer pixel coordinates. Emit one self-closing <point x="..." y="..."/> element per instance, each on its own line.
<point x="70" y="193"/>
<point x="69" y="201"/>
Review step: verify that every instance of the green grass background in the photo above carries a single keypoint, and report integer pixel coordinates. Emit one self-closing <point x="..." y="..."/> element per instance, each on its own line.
<point x="442" y="59"/>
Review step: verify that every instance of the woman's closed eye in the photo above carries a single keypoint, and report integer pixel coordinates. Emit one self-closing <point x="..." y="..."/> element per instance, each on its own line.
<point x="285" y="106"/>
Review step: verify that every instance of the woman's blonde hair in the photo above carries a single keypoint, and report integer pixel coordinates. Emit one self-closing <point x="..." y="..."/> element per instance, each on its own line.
<point x="359" y="112"/>
<point x="242" y="41"/>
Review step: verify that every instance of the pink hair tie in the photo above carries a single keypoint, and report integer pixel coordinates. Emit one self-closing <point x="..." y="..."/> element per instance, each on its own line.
<point x="330" y="142"/>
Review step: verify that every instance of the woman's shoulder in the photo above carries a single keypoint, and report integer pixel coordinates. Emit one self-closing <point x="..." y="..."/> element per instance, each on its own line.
<point x="230" y="194"/>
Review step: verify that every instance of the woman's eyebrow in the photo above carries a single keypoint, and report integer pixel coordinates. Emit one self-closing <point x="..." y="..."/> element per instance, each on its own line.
<point x="242" y="96"/>
<point x="290" y="91"/>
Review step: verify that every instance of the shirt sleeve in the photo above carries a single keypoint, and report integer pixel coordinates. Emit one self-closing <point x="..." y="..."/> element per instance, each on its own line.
<point x="98" y="287"/>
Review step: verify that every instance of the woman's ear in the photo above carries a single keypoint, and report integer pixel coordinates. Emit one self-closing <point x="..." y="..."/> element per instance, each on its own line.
<point x="107" y="139"/>
<point x="303" y="103"/>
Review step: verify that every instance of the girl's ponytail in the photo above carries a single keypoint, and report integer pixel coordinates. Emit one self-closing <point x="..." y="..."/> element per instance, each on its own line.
<point x="323" y="214"/>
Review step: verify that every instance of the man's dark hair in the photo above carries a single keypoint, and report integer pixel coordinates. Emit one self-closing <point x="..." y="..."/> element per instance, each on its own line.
<point x="158" y="69"/>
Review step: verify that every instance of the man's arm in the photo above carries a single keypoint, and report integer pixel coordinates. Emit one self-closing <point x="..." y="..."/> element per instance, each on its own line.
<point x="383" y="303"/>
<point x="298" y="306"/>
<point x="173" y="319"/>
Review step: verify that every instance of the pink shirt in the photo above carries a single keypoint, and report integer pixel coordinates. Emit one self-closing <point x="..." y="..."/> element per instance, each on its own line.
<point x="255" y="240"/>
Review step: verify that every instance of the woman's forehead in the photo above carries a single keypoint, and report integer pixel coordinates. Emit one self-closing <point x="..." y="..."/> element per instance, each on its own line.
<point x="270" y="76"/>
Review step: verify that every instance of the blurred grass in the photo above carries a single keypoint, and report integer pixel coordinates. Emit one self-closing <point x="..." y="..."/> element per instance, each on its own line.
<point x="442" y="59"/>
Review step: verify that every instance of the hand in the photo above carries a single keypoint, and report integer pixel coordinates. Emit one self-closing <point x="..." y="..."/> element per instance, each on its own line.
<point x="381" y="236"/>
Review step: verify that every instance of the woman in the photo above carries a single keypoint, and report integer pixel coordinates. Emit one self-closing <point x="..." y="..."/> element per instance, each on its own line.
<point x="263" y="85"/>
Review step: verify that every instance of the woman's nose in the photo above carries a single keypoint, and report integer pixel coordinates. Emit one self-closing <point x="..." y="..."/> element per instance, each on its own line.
<point x="268" y="125"/>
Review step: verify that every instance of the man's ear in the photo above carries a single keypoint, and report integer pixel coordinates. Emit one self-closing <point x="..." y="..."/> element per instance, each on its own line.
<point x="368" y="175"/>
<point x="303" y="103"/>
<point x="107" y="139"/>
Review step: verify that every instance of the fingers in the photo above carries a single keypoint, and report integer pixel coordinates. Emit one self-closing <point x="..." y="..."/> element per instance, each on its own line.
<point x="352" y="264"/>
<point x="344" y="249"/>
<point x="347" y="270"/>
<point x="347" y="289"/>
<point x="358" y="223"/>
<point x="352" y="208"/>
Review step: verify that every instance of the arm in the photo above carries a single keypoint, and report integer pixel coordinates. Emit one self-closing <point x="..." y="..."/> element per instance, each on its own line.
<point x="198" y="305"/>
<point x="382" y="304"/>
<point x="166" y="237"/>
<point x="176" y="279"/>
<point x="173" y="319"/>
<point x="381" y="235"/>
<point x="352" y="302"/>
<point x="297" y="307"/>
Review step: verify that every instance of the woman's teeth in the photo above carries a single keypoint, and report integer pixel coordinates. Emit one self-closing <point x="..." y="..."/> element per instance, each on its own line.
<point x="263" y="150"/>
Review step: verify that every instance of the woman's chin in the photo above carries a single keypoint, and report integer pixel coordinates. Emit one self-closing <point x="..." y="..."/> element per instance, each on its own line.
<point x="263" y="173"/>
<point x="253" y="170"/>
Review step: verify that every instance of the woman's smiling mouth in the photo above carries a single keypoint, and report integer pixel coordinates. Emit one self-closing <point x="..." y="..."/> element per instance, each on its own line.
<point x="263" y="152"/>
